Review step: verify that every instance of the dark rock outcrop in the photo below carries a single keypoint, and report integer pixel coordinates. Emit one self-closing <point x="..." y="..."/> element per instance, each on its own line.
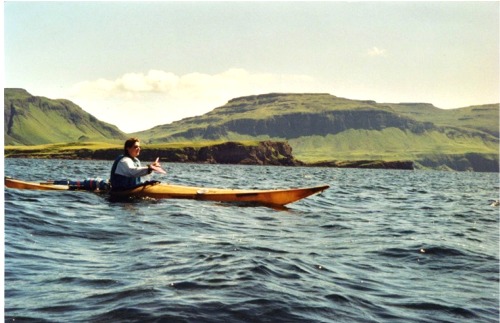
<point x="373" y="164"/>
<point x="261" y="153"/>
<point x="466" y="162"/>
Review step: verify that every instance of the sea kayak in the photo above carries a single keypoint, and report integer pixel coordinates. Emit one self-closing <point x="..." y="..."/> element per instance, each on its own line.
<point x="274" y="197"/>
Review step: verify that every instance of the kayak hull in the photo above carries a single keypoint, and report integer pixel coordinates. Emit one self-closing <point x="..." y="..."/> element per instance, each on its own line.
<point x="267" y="197"/>
<point x="277" y="197"/>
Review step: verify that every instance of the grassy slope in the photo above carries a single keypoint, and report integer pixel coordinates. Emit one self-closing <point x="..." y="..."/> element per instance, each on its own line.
<point x="38" y="120"/>
<point x="57" y="148"/>
<point x="33" y="125"/>
<point x="481" y="117"/>
<point x="388" y="144"/>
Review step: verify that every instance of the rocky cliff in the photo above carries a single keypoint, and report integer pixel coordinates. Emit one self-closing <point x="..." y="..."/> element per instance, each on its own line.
<point x="261" y="153"/>
<point x="295" y="125"/>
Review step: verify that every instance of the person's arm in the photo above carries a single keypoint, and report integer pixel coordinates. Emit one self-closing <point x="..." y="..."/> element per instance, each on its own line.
<point x="127" y="168"/>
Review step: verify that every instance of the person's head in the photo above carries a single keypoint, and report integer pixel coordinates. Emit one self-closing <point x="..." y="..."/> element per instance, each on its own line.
<point x="132" y="147"/>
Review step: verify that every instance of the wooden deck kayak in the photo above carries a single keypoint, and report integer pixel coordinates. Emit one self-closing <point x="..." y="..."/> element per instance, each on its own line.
<point x="275" y="197"/>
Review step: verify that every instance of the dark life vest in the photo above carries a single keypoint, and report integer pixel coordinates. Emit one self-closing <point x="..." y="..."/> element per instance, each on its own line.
<point x="119" y="182"/>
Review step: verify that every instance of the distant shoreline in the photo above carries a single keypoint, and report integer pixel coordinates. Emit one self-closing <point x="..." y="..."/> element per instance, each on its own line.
<point x="231" y="153"/>
<point x="247" y="153"/>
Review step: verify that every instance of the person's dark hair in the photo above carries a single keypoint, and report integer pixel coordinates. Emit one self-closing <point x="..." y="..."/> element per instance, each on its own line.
<point x="129" y="143"/>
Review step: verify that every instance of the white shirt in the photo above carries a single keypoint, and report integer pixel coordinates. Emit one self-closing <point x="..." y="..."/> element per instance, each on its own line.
<point x="127" y="168"/>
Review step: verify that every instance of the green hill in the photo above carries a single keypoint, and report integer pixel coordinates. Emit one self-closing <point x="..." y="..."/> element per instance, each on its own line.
<point x="326" y="127"/>
<point x="290" y="116"/>
<point x="33" y="120"/>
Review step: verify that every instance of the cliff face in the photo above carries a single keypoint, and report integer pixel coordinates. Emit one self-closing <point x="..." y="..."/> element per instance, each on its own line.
<point x="290" y="126"/>
<point x="264" y="153"/>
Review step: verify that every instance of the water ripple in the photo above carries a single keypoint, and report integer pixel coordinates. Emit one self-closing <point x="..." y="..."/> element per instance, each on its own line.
<point x="379" y="246"/>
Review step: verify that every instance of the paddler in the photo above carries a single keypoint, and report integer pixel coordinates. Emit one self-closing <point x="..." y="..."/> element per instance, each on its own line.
<point x="127" y="171"/>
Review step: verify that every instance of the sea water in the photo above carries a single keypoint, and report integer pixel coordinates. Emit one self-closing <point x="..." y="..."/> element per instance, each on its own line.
<point x="378" y="246"/>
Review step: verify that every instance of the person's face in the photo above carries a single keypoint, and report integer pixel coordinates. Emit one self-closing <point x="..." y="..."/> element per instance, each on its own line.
<point x="135" y="150"/>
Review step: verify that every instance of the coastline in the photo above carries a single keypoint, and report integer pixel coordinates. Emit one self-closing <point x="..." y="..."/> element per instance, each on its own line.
<point x="236" y="153"/>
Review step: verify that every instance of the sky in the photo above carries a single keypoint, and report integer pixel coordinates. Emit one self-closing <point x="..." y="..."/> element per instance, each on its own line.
<point x="141" y="64"/>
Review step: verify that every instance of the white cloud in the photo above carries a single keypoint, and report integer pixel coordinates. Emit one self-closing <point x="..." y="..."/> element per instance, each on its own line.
<point x="375" y="51"/>
<point x="138" y="101"/>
